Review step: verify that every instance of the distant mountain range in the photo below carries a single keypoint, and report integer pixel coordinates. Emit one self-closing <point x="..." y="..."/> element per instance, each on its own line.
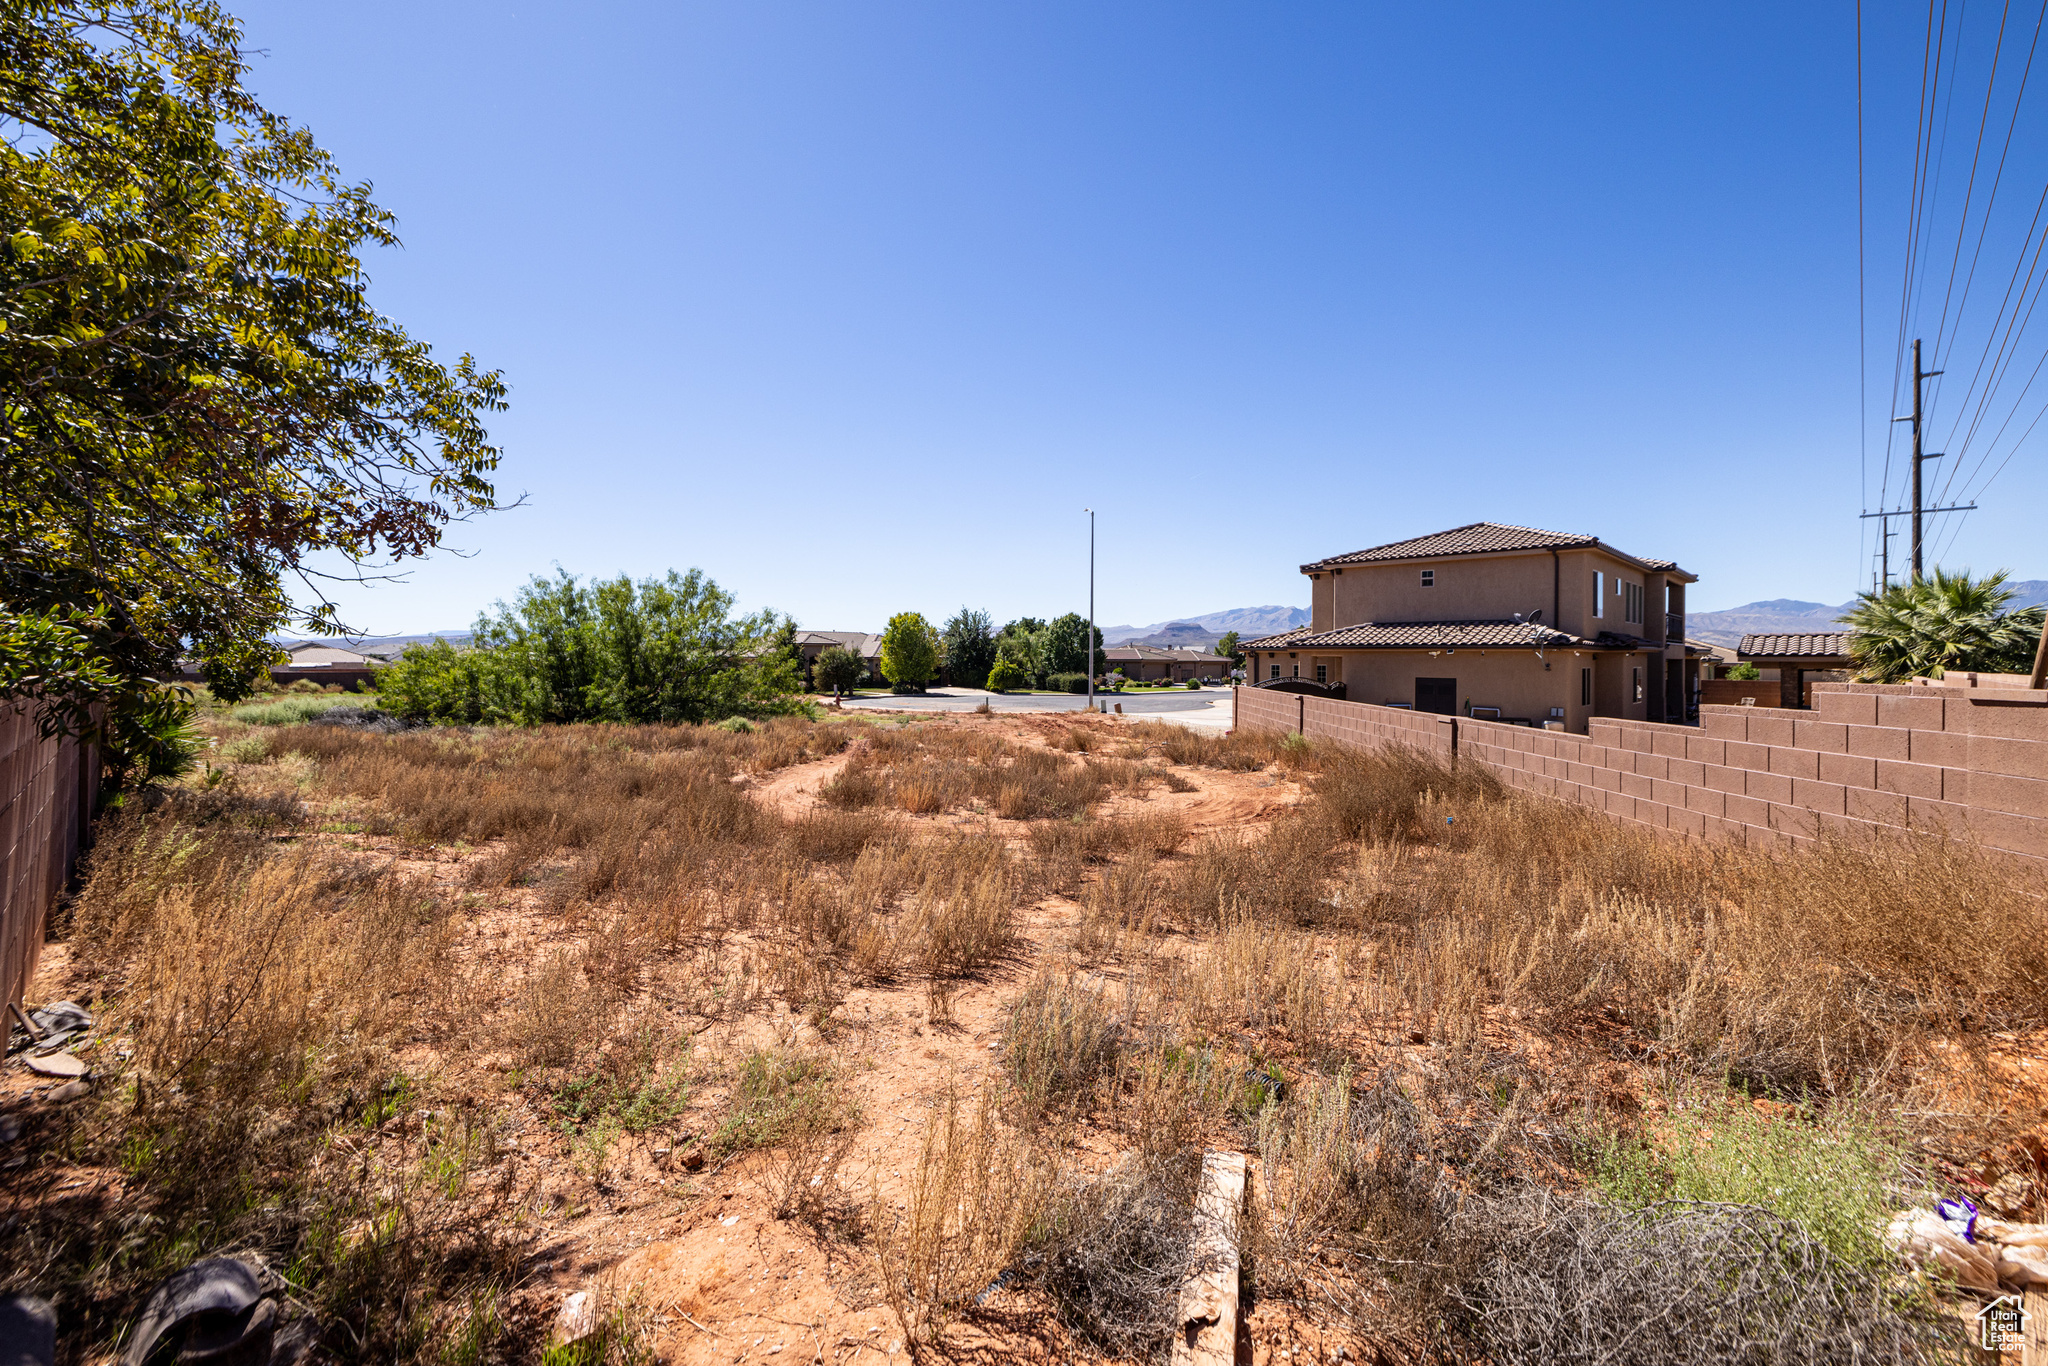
<point x="1200" y="632"/>
<point x="384" y="645"/>
<point x="1790" y="616"/>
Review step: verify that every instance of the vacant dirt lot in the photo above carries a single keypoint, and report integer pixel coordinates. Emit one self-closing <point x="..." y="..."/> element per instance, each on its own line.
<point x="880" y="1035"/>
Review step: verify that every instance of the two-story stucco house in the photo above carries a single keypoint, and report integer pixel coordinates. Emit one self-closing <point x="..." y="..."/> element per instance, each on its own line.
<point x="1508" y="622"/>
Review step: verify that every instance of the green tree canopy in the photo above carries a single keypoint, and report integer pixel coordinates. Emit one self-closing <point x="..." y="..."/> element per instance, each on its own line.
<point x="1004" y="676"/>
<point x="1925" y="626"/>
<point x="1022" y="643"/>
<point x="198" y="403"/>
<point x="665" y="649"/>
<point x="1066" y="646"/>
<point x="840" y="669"/>
<point x="968" y="640"/>
<point x="910" y="651"/>
<point x="1227" y="647"/>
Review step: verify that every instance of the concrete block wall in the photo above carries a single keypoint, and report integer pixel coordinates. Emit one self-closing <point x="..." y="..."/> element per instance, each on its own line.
<point x="1867" y="757"/>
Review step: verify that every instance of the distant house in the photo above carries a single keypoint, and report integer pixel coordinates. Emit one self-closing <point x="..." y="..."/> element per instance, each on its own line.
<point x="867" y="644"/>
<point x="353" y="670"/>
<point x="1151" y="664"/>
<point x="1506" y="622"/>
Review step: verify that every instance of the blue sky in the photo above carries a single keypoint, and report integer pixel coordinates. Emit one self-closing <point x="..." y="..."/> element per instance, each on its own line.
<point x="856" y="305"/>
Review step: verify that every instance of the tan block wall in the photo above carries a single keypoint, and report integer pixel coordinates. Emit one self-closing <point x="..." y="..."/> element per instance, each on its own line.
<point x="1869" y="758"/>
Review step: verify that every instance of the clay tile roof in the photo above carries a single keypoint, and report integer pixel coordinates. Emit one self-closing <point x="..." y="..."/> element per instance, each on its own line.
<point x="1279" y="642"/>
<point x="1424" y="635"/>
<point x="1812" y="645"/>
<point x="1476" y="539"/>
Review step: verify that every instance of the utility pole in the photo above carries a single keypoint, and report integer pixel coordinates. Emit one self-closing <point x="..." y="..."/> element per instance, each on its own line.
<point x="1917" y="512"/>
<point x="1920" y="378"/>
<point x="1091" y="607"/>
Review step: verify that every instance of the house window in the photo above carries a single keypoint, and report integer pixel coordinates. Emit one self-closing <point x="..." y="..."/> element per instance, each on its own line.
<point x="1585" y="687"/>
<point x="1429" y="578"/>
<point x="1322" y="673"/>
<point x="1599" y="594"/>
<point x="1636" y="681"/>
<point x="1632" y="602"/>
<point x="1296" y="673"/>
<point x="1275" y="673"/>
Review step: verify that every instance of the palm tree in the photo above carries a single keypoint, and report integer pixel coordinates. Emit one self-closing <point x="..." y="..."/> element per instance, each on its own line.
<point x="1925" y="626"/>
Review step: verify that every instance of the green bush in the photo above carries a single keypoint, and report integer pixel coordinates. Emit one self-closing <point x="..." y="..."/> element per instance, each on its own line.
<point x="1067" y="682"/>
<point x="1005" y="676"/>
<point x="1744" y="672"/>
<point x="660" y="650"/>
<point x="250" y="749"/>
<point x="294" y="711"/>
<point x="1829" y="1173"/>
<point x="1192" y="684"/>
<point x="736" y="725"/>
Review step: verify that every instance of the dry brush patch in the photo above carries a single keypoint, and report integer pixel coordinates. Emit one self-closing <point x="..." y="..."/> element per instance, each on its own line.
<point x="1404" y="993"/>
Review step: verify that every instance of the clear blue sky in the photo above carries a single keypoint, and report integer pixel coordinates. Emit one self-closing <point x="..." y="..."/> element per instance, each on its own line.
<point x="855" y="305"/>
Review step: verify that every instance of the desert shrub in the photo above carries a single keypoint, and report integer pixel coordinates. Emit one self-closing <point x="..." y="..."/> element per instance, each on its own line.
<point x="833" y="835"/>
<point x="1114" y="1252"/>
<point x="1354" y="1183"/>
<point x="1571" y="1282"/>
<point x="257" y="988"/>
<point x="1067" y="682"/>
<point x="289" y="711"/>
<point x="250" y="749"/>
<point x="965" y="910"/>
<point x="1831" y="1172"/>
<point x="638" y="1084"/>
<point x="1281" y="877"/>
<point x="736" y="725"/>
<point x="1376" y="794"/>
<point x="972" y="1202"/>
<point x="1060" y="1043"/>
<point x="782" y="1096"/>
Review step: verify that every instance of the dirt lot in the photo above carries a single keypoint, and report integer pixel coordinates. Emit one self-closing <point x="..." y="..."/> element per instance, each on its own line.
<point x="901" y="1035"/>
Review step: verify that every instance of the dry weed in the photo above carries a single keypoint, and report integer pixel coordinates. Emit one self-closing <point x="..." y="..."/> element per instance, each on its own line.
<point x="974" y="1198"/>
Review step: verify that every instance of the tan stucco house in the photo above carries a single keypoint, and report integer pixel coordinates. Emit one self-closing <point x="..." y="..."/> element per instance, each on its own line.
<point x="866" y="644"/>
<point x="1506" y="622"/>
<point x="1153" y="663"/>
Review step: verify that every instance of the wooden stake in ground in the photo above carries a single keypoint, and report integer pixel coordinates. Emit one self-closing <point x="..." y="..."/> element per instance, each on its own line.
<point x="1208" y="1301"/>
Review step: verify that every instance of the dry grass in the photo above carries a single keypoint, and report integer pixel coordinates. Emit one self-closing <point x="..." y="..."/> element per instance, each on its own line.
<point x="975" y="1197"/>
<point x="1395" y="992"/>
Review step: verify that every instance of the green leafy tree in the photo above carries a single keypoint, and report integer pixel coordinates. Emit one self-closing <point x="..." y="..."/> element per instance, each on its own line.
<point x="1004" y="676"/>
<point x="1925" y="626"/>
<point x="1066" y="646"/>
<point x="661" y="650"/>
<point x="840" y="669"/>
<point x="1744" y="672"/>
<point x="1022" y="643"/>
<point x="199" y="405"/>
<point x="910" y="652"/>
<point x="968" y="641"/>
<point x="1227" y="647"/>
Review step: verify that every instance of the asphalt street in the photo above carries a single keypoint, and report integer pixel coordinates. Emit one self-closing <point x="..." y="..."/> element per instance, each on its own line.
<point x="1208" y="708"/>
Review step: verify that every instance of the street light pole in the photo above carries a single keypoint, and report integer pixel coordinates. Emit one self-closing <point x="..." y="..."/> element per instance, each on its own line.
<point x="1091" y="607"/>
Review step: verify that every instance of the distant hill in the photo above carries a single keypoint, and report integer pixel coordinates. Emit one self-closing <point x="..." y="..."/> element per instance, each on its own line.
<point x="385" y="645"/>
<point x="1791" y="616"/>
<point x="1192" y="632"/>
